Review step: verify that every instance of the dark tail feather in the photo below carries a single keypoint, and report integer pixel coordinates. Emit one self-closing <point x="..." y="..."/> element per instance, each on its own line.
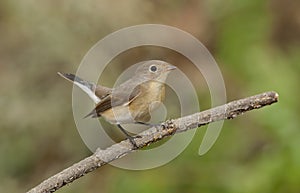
<point x="73" y="78"/>
<point x="87" y="87"/>
<point x="69" y="76"/>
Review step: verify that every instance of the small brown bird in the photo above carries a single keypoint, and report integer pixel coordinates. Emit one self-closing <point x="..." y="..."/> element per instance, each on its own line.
<point x="133" y="100"/>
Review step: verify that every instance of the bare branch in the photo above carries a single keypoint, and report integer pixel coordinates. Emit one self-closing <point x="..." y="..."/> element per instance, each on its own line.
<point x="102" y="157"/>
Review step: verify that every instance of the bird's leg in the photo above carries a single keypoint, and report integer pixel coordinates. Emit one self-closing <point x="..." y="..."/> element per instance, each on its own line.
<point x="131" y="139"/>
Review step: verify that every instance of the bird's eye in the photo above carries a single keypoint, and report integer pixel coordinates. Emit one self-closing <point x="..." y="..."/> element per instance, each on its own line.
<point x="153" y="68"/>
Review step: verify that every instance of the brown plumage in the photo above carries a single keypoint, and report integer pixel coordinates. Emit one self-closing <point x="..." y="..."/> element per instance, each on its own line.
<point x="129" y="102"/>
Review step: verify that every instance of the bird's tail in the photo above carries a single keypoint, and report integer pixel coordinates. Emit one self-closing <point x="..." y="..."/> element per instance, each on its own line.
<point x="88" y="87"/>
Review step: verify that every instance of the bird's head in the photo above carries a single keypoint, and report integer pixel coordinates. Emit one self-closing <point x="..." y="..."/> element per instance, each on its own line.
<point x="154" y="70"/>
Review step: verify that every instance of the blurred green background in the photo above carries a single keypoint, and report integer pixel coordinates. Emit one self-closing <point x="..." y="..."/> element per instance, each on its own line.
<point x="256" y="44"/>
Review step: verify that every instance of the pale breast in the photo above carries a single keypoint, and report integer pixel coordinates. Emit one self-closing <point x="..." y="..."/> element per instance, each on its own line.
<point x="152" y="92"/>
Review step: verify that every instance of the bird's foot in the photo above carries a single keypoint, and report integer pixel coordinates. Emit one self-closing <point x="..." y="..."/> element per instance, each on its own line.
<point x="131" y="139"/>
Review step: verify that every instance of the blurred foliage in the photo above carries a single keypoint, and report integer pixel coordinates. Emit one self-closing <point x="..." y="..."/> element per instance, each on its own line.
<point x="256" y="44"/>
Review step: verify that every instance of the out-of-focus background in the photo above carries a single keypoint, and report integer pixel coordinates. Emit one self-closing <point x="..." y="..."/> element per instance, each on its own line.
<point x="256" y="44"/>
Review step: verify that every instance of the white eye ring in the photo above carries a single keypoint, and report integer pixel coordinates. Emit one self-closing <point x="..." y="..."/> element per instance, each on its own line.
<point x="152" y="68"/>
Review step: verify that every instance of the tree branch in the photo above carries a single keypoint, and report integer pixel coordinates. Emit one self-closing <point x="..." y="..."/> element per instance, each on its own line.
<point x="116" y="151"/>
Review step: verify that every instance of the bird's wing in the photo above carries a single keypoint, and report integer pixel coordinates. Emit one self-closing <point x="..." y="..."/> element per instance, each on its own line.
<point x="118" y="98"/>
<point x="95" y="92"/>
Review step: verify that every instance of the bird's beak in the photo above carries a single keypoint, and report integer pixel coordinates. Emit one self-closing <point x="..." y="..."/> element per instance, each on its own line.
<point x="171" y="67"/>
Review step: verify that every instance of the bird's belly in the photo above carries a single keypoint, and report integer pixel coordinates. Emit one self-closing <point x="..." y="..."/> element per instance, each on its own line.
<point x="127" y="114"/>
<point x="118" y="115"/>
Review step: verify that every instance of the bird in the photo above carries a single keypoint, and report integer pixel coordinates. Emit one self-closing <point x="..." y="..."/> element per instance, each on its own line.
<point x="132" y="101"/>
